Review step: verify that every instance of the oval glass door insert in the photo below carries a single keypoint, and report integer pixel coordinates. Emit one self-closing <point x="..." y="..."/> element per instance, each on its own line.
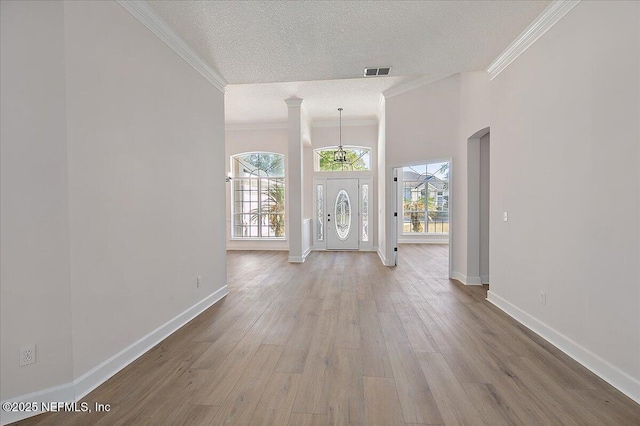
<point x="343" y="214"/>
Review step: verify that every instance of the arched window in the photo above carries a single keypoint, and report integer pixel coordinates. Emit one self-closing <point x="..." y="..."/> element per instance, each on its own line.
<point x="257" y="195"/>
<point x="358" y="158"/>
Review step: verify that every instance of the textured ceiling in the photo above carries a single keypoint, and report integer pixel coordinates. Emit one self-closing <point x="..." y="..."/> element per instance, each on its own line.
<point x="265" y="102"/>
<point x="294" y="41"/>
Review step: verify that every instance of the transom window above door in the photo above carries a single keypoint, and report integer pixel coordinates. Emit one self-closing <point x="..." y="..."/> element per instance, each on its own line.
<point x="358" y="159"/>
<point x="257" y="195"/>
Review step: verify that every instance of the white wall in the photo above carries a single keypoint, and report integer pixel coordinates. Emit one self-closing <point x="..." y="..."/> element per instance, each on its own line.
<point x="564" y="158"/>
<point x="250" y="138"/>
<point x="108" y="214"/>
<point x="380" y="183"/>
<point x="34" y="233"/>
<point x="484" y="214"/>
<point x="434" y="122"/>
<point x="306" y="181"/>
<point x="352" y="134"/>
<point x="308" y="210"/>
<point x="146" y="147"/>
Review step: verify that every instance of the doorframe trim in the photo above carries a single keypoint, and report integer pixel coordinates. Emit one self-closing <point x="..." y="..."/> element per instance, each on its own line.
<point x="389" y="208"/>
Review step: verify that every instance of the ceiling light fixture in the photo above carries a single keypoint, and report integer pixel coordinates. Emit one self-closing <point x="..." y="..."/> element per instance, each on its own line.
<point x="340" y="156"/>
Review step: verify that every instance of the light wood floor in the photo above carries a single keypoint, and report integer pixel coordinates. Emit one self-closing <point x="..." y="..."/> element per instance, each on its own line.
<point x="341" y="339"/>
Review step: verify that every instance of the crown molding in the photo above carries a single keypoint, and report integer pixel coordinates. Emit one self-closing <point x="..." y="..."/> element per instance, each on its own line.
<point x="543" y="23"/>
<point x="293" y="102"/>
<point x="413" y="84"/>
<point x="257" y="125"/>
<point x="354" y="122"/>
<point x="144" y="13"/>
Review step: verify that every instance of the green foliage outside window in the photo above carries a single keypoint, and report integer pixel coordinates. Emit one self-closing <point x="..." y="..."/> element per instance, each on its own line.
<point x="258" y="195"/>
<point x="357" y="159"/>
<point x="272" y="207"/>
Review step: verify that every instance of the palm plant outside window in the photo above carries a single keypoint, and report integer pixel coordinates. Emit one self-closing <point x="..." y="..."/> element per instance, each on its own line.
<point x="258" y="195"/>
<point x="425" y="193"/>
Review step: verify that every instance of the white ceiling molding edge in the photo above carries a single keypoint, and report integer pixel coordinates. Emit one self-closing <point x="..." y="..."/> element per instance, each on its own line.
<point x="346" y="122"/>
<point x="150" y="19"/>
<point x="547" y="19"/>
<point x="413" y="84"/>
<point x="294" y="102"/>
<point x="257" y="125"/>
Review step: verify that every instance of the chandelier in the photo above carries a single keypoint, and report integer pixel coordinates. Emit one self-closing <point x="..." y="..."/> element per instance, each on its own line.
<point x="340" y="156"/>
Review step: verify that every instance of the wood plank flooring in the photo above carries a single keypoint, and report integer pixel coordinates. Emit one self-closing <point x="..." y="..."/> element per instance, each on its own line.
<point x="341" y="339"/>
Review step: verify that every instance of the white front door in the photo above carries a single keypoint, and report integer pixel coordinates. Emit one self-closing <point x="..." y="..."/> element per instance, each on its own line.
<point x="342" y="214"/>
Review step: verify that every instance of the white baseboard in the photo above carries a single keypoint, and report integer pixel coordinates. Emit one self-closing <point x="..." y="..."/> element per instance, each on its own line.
<point x="306" y="253"/>
<point x="296" y="259"/>
<point x="423" y="241"/>
<point x="61" y="393"/>
<point x="257" y="245"/>
<point x="101" y="373"/>
<point x="464" y="279"/>
<point x="385" y="261"/>
<point x="458" y="276"/>
<point x="473" y="281"/>
<point x="617" y="378"/>
<point x="300" y="259"/>
<point x="484" y="279"/>
<point x="84" y="384"/>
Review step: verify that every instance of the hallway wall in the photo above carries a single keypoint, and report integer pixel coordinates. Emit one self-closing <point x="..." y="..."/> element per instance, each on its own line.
<point x="485" y="211"/>
<point x="564" y="157"/>
<point x="34" y="234"/>
<point x="112" y="176"/>
<point x="433" y="122"/>
<point x="146" y="149"/>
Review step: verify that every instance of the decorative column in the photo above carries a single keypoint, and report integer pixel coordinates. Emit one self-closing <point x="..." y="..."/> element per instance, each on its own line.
<point x="294" y="187"/>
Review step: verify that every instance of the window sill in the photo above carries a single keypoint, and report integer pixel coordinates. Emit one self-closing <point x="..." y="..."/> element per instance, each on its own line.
<point x="258" y="239"/>
<point x="424" y="234"/>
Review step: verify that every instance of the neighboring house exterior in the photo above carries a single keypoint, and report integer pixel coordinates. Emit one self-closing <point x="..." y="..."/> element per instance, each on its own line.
<point x="425" y="203"/>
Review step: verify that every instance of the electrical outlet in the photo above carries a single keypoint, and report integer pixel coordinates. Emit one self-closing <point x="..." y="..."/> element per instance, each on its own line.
<point x="27" y="355"/>
<point x="505" y="216"/>
<point x="543" y="298"/>
<point x="199" y="281"/>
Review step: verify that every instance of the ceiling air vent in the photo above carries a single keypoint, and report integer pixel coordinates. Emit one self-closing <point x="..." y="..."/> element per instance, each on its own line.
<point x="373" y="72"/>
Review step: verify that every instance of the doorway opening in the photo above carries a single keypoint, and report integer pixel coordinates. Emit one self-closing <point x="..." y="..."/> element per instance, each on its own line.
<point x="422" y="215"/>
<point x="479" y="183"/>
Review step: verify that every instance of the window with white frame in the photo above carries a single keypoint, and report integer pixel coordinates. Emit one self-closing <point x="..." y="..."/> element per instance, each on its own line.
<point x="425" y="198"/>
<point x="358" y="158"/>
<point x="364" y="237"/>
<point x="257" y="195"/>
